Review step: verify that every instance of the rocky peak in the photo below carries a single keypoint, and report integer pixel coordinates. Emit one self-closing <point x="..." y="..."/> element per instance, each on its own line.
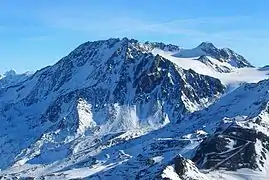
<point x="10" y="73"/>
<point x="233" y="58"/>
<point x="207" y="46"/>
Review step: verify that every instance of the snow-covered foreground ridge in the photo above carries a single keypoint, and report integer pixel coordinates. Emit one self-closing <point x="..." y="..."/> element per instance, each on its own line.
<point x="121" y="109"/>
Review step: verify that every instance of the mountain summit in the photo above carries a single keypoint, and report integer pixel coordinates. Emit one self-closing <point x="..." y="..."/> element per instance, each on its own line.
<point x="206" y="46"/>
<point x="222" y="55"/>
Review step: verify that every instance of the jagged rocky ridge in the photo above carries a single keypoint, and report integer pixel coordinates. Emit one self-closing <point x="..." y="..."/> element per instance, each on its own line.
<point x="112" y="109"/>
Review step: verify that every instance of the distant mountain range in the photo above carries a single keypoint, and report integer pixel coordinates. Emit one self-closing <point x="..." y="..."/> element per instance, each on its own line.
<point x="10" y="78"/>
<point x="122" y="109"/>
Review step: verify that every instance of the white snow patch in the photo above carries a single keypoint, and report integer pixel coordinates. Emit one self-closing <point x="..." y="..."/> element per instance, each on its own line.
<point x="170" y="173"/>
<point x="158" y="159"/>
<point x="85" y="116"/>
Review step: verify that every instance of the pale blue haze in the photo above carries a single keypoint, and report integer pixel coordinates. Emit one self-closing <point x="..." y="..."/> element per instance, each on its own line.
<point x="34" y="34"/>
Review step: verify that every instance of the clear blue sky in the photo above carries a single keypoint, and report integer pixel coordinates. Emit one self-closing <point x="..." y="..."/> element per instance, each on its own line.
<point x="34" y="34"/>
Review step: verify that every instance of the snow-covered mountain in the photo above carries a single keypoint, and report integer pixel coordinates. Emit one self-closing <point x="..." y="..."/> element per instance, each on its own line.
<point x="11" y="78"/>
<point x="122" y="109"/>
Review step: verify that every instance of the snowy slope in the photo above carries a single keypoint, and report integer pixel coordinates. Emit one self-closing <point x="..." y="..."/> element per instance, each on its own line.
<point x="233" y="77"/>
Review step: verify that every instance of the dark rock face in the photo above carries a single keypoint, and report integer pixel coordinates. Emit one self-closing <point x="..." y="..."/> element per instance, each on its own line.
<point x="179" y="165"/>
<point x="162" y="46"/>
<point x="186" y="169"/>
<point x="232" y="148"/>
<point x="217" y="68"/>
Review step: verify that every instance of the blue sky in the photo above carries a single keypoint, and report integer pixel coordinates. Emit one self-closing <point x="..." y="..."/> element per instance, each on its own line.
<point x="34" y="34"/>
